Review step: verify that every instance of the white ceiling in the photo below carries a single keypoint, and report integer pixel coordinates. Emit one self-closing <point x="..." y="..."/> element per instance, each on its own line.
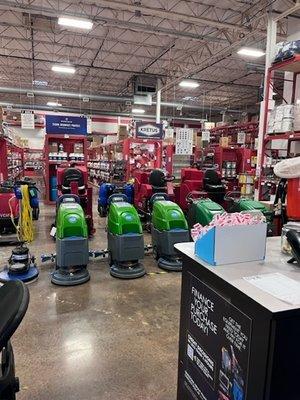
<point x="168" y="38"/>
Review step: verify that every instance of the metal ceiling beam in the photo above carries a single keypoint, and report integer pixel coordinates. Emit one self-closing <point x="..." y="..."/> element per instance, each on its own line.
<point x="171" y="15"/>
<point x="288" y="12"/>
<point x="126" y="71"/>
<point x="134" y="26"/>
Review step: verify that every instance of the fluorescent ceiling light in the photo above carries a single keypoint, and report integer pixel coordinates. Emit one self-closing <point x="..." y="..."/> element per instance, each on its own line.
<point x="75" y="22"/>
<point x="54" y="104"/>
<point x="138" y="111"/>
<point x="247" y="51"/>
<point x="189" y="84"/>
<point x="64" y="69"/>
<point x="40" y="83"/>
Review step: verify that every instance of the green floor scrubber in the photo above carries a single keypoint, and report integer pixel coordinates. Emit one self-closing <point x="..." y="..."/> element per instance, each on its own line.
<point x="125" y="239"/>
<point x="72" y="249"/>
<point x="240" y="204"/>
<point x="202" y="211"/>
<point x="168" y="227"/>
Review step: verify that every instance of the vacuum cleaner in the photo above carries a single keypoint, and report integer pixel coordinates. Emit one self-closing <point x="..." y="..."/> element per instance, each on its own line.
<point x="125" y="239"/>
<point x="21" y="266"/>
<point x="72" y="249"/>
<point x="168" y="227"/>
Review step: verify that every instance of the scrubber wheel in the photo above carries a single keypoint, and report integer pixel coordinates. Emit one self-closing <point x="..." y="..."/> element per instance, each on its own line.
<point x="127" y="272"/>
<point x="63" y="277"/>
<point x="174" y="265"/>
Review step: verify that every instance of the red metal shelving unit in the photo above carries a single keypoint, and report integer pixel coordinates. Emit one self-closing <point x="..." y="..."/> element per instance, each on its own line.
<point x="250" y="129"/>
<point x="11" y="160"/>
<point x="127" y="148"/>
<point x="291" y="65"/>
<point x="68" y="142"/>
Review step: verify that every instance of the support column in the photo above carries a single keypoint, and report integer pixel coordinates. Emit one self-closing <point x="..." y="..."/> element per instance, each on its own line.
<point x="158" y="102"/>
<point x="270" y="50"/>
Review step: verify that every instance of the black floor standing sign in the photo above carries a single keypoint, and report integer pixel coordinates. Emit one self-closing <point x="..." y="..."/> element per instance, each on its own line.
<point x="217" y="346"/>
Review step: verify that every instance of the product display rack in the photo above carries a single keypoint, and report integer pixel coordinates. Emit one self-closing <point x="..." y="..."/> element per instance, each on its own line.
<point x="33" y="162"/>
<point x="265" y="174"/>
<point x="68" y="142"/>
<point x="11" y="160"/>
<point x="116" y="162"/>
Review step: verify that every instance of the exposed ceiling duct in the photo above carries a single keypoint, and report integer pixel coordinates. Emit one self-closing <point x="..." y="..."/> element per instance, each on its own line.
<point x="104" y="98"/>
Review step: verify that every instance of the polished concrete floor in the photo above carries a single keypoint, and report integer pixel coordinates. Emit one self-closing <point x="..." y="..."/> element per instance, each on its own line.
<point x="105" y="340"/>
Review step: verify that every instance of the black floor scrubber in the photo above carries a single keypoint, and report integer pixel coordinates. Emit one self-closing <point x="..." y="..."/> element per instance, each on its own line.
<point x="21" y="266"/>
<point x="125" y="239"/>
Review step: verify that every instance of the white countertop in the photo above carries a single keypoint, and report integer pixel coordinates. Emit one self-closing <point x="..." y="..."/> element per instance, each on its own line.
<point x="275" y="262"/>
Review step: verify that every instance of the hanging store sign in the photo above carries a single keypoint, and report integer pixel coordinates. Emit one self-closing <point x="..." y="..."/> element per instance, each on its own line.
<point x="148" y="130"/>
<point x="27" y="119"/>
<point x="206" y="136"/>
<point x="241" y="137"/>
<point x="61" y="124"/>
<point x="184" y="141"/>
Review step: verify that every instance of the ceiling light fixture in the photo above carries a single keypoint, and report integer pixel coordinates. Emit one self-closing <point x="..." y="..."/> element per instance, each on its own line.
<point x="38" y="82"/>
<point x="138" y="111"/>
<point x="247" y="51"/>
<point x="189" y="84"/>
<point x="54" y="104"/>
<point x="64" y="69"/>
<point x="74" y="22"/>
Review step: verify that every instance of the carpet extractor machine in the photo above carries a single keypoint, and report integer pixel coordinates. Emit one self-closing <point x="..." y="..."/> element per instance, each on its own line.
<point x="125" y="239"/>
<point x="72" y="249"/>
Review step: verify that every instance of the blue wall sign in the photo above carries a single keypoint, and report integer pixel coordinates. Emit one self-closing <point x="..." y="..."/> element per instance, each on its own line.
<point x="66" y="125"/>
<point x="148" y="130"/>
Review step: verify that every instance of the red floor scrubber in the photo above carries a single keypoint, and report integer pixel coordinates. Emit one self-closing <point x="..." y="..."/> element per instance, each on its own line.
<point x="9" y="209"/>
<point x="197" y="183"/>
<point x="146" y="184"/>
<point x="74" y="180"/>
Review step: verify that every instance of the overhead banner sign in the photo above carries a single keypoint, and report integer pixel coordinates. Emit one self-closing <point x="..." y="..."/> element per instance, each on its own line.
<point x="27" y="119"/>
<point x="148" y="130"/>
<point x="66" y="125"/>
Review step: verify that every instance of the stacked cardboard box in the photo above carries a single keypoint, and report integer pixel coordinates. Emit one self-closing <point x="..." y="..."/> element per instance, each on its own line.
<point x="122" y="132"/>
<point x="297" y="117"/>
<point x="281" y="119"/>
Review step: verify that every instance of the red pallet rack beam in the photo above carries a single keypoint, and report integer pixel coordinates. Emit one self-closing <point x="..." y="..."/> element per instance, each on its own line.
<point x="291" y="65"/>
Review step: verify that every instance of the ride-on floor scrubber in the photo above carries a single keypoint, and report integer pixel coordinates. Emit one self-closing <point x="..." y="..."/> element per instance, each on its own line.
<point x="168" y="227"/>
<point x="125" y="239"/>
<point x="72" y="249"/>
<point x="107" y="189"/>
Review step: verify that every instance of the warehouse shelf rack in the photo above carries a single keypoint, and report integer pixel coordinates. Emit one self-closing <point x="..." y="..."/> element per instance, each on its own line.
<point x="291" y="65"/>
<point x="11" y="160"/>
<point x="68" y="142"/>
<point x="119" y="160"/>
